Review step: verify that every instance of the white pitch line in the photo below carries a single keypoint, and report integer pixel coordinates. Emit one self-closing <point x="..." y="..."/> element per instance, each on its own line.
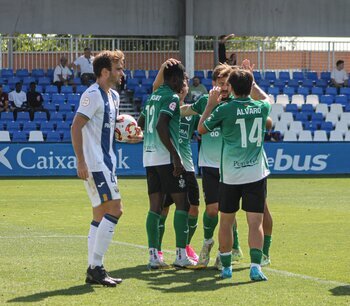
<point x="279" y="272"/>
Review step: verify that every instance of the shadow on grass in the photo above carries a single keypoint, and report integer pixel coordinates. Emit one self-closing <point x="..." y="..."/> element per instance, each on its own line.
<point x="340" y="290"/>
<point x="185" y="280"/>
<point x="40" y="296"/>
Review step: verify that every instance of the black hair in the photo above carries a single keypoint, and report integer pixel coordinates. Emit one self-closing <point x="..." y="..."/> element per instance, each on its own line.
<point x="174" y="77"/>
<point x="339" y="62"/>
<point x="241" y="82"/>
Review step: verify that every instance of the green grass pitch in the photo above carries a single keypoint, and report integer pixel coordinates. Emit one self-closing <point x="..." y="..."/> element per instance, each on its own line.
<point x="43" y="249"/>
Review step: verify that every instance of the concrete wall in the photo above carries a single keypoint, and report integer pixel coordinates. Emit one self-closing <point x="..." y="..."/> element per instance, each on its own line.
<point x="167" y="17"/>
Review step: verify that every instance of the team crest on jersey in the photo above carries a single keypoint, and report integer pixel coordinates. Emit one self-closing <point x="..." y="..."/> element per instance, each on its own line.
<point x="172" y="106"/>
<point x="85" y="101"/>
<point x="182" y="183"/>
<point x="188" y="118"/>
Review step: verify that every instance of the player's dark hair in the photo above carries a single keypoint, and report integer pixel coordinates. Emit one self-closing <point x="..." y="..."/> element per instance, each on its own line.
<point x="174" y="77"/>
<point x="339" y="62"/>
<point x="221" y="71"/>
<point x="241" y="82"/>
<point x="105" y="59"/>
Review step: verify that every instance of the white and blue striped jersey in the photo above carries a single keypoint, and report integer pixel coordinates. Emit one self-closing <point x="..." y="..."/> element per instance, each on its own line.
<point x="102" y="110"/>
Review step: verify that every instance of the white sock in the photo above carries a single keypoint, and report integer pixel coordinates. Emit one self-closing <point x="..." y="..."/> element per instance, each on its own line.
<point x="181" y="253"/>
<point x="103" y="238"/>
<point x="153" y="254"/>
<point x="255" y="265"/>
<point x="208" y="241"/>
<point x="91" y="240"/>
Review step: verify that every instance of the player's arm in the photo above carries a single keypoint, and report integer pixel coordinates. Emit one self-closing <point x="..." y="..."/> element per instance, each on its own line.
<point x="186" y="110"/>
<point x="77" y="142"/>
<point x="224" y="39"/>
<point x="214" y="100"/>
<point x="160" y="78"/>
<point x="164" y="135"/>
<point x="141" y="121"/>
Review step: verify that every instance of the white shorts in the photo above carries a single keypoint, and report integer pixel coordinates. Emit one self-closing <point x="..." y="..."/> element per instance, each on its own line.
<point x="101" y="187"/>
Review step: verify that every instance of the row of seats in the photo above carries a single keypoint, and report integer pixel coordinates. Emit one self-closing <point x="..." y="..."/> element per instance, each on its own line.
<point x="313" y="100"/>
<point x="317" y="136"/>
<point x="38" y="116"/>
<point x="50" y="89"/>
<point x="37" y="136"/>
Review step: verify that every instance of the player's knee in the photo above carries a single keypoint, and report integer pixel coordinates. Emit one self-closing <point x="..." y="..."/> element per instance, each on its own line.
<point x="212" y="210"/>
<point x="193" y="211"/>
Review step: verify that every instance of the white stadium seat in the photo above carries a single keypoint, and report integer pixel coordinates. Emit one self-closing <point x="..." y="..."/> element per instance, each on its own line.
<point x="277" y="109"/>
<point x="287" y="117"/>
<point x="282" y="99"/>
<point x="345" y="117"/>
<point x="305" y="136"/>
<point x="347" y="136"/>
<point x="312" y="99"/>
<point x="296" y="126"/>
<point x="322" y="108"/>
<point x="290" y="136"/>
<point x="298" y="100"/>
<point x="320" y="136"/>
<point x="336" y="109"/>
<point x="336" y="136"/>
<point x="36" y="136"/>
<point x="342" y="126"/>
<point x="332" y="118"/>
<point x="272" y="99"/>
<point x="281" y="127"/>
<point x="274" y="118"/>
<point x="4" y="136"/>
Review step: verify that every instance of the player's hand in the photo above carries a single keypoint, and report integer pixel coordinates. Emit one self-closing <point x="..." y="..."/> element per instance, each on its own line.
<point x="82" y="170"/>
<point x="170" y="62"/>
<point x="214" y="96"/>
<point x="178" y="167"/>
<point x="247" y="65"/>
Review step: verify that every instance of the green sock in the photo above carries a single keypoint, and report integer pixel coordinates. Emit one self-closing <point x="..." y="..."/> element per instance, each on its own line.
<point x="235" y="238"/>
<point x="255" y="256"/>
<point x="192" y="226"/>
<point x="267" y="243"/>
<point x="226" y="259"/>
<point x="161" y="231"/>
<point x="181" y="228"/>
<point x="209" y="224"/>
<point x="152" y="227"/>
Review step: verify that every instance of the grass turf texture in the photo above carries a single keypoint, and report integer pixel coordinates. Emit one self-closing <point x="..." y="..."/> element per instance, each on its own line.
<point x="45" y="261"/>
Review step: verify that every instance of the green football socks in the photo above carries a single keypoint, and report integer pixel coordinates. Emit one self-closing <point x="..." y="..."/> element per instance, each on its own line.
<point x="209" y="225"/>
<point x="152" y="227"/>
<point x="181" y="228"/>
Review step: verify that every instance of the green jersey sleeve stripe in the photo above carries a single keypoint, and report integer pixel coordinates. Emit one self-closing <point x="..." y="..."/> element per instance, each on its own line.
<point x="206" y="126"/>
<point x="165" y="111"/>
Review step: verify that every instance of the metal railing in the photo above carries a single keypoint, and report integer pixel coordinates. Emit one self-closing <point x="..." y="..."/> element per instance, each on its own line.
<point x="149" y="53"/>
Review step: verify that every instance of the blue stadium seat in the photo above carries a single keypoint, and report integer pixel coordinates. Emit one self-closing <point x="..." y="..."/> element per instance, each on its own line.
<point x="58" y="98"/>
<point x="44" y="81"/>
<point x="6" y="88"/>
<point x="270" y="75"/>
<point x="47" y="126"/>
<point x="81" y="89"/>
<point x="50" y="107"/>
<point x="303" y="91"/>
<point x="131" y="84"/>
<point x="51" y="89"/>
<point x="312" y="75"/>
<point x="38" y="73"/>
<point x="23" y="116"/>
<point x="28" y="80"/>
<point x="67" y="137"/>
<point x="7" y="73"/>
<point x="29" y="126"/>
<point x="6" y="116"/>
<point x="144" y="99"/>
<point x="308" y="83"/>
<point x="70" y="116"/>
<point x="327" y="99"/>
<point x="280" y="84"/>
<point x="257" y="76"/>
<point x="284" y="75"/>
<point x="19" y="136"/>
<point x="325" y="75"/>
<point x="317" y="91"/>
<point x="22" y="73"/>
<point x="67" y="89"/>
<point x="2" y="80"/>
<point x="292" y="108"/>
<point x="207" y="83"/>
<point x="46" y="97"/>
<point x="56" y="116"/>
<point x="307" y="109"/>
<point x="293" y="83"/>
<point x="273" y="91"/>
<point x="317" y="117"/>
<point x="301" y="117"/>
<point x="298" y="75"/>
<point x="53" y="136"/>
<point x="49" y="73"/>
<point x="62" y="126"/>
<point x="341" y="99"/>
<point x="152" y="73"/>
<point x="326" y="126"/>
<point x="13" y="126"/>
<point x="147" y="83"/>
<point x="63" y="107"/>
<point x="264" y="83"/>
<point x="73" y="100"/>
<point x="77" y="81"/>
<point x="139" y="91"/>
<point x="199" y="74"/>
<point x="40" y="116"/>
<point x="345" y="91"/>
<point x="289" y="91"/>
<point x="331" y="91"/>
<point x="347" y="108"/>
<point x="321" y="83"/>
<point x="139" y="74"/>
<point x="12" y="81"/>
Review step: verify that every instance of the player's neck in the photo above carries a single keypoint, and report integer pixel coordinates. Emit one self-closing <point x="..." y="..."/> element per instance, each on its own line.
<point x="104" y="85"/>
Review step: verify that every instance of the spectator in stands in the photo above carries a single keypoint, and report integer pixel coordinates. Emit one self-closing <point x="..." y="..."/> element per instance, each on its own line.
<point x="35" y="102"/>
<point x="196" y="89"/>
<point x="18" y="100"/>
<point x="339" y="77"/>
<point x="83" y="65"/>
<point x="62" y="75"/>
<point x="222" y="48"/>
<point x="4" y="101"/>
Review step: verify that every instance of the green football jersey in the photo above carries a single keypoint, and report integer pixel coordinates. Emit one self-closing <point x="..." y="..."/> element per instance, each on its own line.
<point x="242" y="122"/>
<point x="166" y="101"/>
<point x="187" y="127"/>
<point x="210" y="150"/>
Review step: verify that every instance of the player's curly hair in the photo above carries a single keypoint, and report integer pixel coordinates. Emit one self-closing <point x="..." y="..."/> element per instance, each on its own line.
<point x="221" y="71"/>
<point x="105" y="59"/>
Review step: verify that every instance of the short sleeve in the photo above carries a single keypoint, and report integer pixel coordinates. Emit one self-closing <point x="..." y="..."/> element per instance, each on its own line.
<point x="199" y="105"/>
<point x="215" y="118"/>
<point x="88" y="104"/>
<point x="266" y="107"/>
<point x="56" y="71"/>
<point x="345" y="75"/>
<point x="10" y="97"/>
<point x="170" y="105"/>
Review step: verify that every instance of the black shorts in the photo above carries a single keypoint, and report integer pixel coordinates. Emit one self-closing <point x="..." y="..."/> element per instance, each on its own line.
<point x="210" y="181"/>
<point x="161" y="179"/>
<point x="253" y="197"/>
<point x="192" y="190"/>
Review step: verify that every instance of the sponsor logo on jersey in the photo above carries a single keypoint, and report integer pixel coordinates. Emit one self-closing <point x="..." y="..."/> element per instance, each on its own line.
<point x="85" y="101"/>
<point x="172" y="106"/>
<point x="184" y="130"/>
<point x="182" y="183"/>
<point x="101" y="184"/>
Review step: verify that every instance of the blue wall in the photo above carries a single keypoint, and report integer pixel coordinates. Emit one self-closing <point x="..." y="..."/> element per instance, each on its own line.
<point x="34" y="159"/>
